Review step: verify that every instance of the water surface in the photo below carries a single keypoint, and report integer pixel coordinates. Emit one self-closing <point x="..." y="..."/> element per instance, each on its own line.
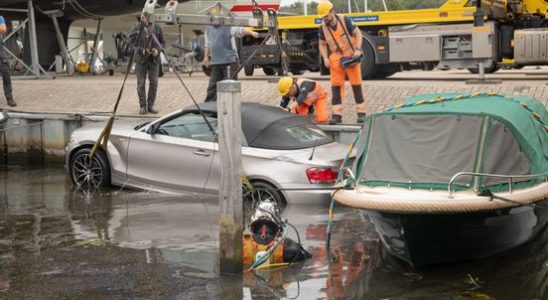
<point x="57" y="242"/>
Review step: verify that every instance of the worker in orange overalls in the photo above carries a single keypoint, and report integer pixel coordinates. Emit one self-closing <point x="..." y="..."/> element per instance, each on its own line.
<point x="340" y="47"/>
<point x="308" y="96"/>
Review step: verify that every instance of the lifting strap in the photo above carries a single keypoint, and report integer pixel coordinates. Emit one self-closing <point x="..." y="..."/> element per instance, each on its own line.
<point x="105" y="134"/>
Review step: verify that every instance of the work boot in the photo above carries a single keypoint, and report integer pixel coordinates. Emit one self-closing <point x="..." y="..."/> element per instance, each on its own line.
<point x="152" y="110"/>
<point x="143" y="111"/>
<point x="11" y="102"/>
<point x="335" y="119"/>
<point x="361" y="118"/>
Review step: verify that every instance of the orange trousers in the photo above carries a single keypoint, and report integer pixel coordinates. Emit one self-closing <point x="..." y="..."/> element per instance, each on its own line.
<point x="338" y="75"/>
<point x="321" y="115"/>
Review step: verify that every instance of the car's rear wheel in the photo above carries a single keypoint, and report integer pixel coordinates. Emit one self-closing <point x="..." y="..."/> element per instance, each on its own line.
<point x="263" y="191"/>
<point x="89" y="173"/>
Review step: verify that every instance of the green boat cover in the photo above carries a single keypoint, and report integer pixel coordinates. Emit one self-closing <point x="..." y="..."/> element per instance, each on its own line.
<point x="424" y="141"/>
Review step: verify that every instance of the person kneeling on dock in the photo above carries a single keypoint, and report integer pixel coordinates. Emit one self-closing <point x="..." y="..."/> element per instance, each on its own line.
<point x="304" y="97"/>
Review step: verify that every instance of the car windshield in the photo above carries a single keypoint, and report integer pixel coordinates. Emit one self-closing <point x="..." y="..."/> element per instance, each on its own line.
<point x="306" y="133"/>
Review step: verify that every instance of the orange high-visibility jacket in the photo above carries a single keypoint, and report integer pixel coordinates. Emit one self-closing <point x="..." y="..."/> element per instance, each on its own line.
<point x="339" y="41"/>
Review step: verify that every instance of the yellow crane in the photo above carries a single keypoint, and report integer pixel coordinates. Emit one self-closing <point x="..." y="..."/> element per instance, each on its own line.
<point x="514" y="34"/>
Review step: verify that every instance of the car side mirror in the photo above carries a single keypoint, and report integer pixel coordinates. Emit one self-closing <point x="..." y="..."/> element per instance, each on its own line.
<point x="152" y="129"/>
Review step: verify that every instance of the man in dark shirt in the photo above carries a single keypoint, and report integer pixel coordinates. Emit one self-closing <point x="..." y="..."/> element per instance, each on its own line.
<point x="147" y="48"/>
<point x="221" y="56"/>
<point x="4" y="65"/>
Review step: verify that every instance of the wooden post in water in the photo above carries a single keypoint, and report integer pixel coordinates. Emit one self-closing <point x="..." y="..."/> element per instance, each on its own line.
<point x="230" y="190"/>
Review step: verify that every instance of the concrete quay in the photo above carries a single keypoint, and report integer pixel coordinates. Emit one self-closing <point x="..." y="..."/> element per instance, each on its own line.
<point x="48" y="111"/>
<point x="92" y="95"/>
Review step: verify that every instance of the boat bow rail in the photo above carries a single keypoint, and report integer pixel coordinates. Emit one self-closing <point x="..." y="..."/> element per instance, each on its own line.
<point x="509" y="177"/>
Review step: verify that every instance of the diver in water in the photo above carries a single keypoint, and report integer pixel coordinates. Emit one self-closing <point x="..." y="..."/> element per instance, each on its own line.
<point x="268" y="243"/>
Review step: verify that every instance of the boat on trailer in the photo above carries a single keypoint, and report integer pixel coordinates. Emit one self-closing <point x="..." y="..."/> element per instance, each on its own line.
<point x="451" y="177"/>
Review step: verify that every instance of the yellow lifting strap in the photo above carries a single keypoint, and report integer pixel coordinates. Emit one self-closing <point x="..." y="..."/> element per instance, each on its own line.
<point x="103" y="137"/>
<point x="105" y="134"/>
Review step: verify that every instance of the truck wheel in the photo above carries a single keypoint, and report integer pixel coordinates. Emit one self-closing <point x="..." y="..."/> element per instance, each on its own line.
<point x="369" y="67"/>
<point x="248" y="69"/>
<point x="297" y="72"/>
<point x="269" y="71"/>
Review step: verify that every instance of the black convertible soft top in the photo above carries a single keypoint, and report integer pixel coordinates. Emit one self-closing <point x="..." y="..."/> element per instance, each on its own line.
<point x="265" y="126"/>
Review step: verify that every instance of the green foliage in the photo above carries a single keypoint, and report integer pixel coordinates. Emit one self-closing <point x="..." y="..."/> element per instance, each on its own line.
<point x="341" y="6"/>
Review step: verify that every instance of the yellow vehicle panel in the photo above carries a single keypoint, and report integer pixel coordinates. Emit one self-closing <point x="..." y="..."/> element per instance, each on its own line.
<point x="499" y="7"/>
<point x="536" y="6"/>
<point x="451" y="11"/>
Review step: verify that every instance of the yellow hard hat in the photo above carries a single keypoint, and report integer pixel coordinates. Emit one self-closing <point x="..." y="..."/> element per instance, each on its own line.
<point x="324" y="7"/>
<point x="82" y="67"/>
<point x="284" y="85"/>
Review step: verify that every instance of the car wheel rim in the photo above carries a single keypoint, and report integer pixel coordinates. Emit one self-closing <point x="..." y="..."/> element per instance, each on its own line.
<point x="258" y="195"/>
<point x="263" y="194"/>
<point x="87" y="173"/>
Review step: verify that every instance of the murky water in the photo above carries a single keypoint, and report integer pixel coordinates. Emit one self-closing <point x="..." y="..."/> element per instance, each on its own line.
<point x="59" y="243"/>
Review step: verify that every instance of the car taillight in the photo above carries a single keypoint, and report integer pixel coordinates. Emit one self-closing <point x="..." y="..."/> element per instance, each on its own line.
<point x="321" y="175"/>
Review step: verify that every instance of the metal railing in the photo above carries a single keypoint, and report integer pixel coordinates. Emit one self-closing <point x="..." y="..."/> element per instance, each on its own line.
<point x="509" y="177"/>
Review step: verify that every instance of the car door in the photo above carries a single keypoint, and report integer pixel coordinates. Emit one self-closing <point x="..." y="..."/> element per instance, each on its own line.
<point x="174" y="155"/>
<point x="214" y="179"/>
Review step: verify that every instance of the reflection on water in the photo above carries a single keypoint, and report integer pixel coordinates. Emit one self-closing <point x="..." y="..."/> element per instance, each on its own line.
<point x="59" y="243"/>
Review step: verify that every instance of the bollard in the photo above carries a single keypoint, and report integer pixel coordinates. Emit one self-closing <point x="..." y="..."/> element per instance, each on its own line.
<point x="230" y="189"/>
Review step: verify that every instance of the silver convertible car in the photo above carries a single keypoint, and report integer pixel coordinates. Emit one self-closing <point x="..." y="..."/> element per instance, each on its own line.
<point x="281" y="153"/>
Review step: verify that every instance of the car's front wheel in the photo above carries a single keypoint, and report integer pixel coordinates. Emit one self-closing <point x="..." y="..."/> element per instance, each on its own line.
<point x="89" y="173"/>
